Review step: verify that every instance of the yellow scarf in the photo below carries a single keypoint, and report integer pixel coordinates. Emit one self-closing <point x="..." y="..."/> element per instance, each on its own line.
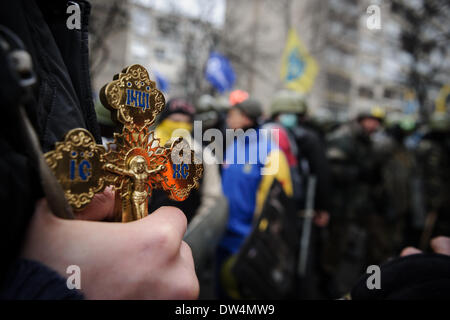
<point x="165" y="129"/>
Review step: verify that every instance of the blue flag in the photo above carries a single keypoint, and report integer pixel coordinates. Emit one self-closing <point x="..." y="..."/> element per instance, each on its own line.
<point x="161" y="82"/>
<point x="219" y="72"/>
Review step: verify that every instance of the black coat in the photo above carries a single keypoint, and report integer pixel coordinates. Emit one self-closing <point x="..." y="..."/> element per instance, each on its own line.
<point x="61" y="100"/>
<point x="312" y="150"/>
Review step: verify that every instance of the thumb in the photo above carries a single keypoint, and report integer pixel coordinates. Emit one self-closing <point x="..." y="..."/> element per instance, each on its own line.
<point x="100" y="208"/>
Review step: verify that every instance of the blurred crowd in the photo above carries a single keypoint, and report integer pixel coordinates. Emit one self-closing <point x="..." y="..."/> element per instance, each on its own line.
<point x="380" y="185"/>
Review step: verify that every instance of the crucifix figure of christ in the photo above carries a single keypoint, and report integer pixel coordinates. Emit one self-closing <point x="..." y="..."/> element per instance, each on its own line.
<point x="139" y="174"/>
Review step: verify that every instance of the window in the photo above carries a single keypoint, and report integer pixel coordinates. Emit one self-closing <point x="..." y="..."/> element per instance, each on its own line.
<point x="332" y="56"/>
<point x="338" y="83"/>
<point x="365" y="92"/>
<point x="337" y="57"/>
<point x="392" y="29"/>
<point x="160" y="53"/>
<point x="368" y="45"/>
<point x="140" y="21"/>
<point x="138" y="50"/>
<point x="167" y="27"/>
<point x="349" y="8"/>
<point x="336" y="28"/>
<point x="368" y="70"/>
<point x="404" y="58"/>
<point x="392" y="93"/>
<point x="423" y="67"/>
<point x="391" y="69"/>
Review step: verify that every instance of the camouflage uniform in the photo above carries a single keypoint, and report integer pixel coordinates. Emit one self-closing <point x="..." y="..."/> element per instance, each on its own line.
<point x="404" y="206"/>
<point x="433" y="156"/>
<point x="356" y="226"/>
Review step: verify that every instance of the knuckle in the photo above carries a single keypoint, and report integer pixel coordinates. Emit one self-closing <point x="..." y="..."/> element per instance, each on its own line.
<point x="165" y="238"/>
<point x="177" y="215"/>
<point x="188" y="289"/>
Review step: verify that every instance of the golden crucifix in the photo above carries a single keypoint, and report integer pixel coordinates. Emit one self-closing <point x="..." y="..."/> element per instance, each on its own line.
<point x="139" y="174"/>
<point x="134" y="163"/>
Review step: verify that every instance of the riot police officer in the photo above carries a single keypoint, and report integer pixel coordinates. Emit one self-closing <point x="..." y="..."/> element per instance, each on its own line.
<point x="356" y="236"/>
<point x="433" y="155"/>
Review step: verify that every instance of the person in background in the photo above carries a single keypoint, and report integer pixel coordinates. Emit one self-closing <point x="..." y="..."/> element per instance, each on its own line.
<point x="106" y="124"/>
<point x="312" y="153"/>
<point x="403" y="194"/>
<point x="179" y="114"/>
<point x="356" y="230"/>
<point x="245" y="186"/>
<point x="212" y="112"/>
<point x="433" y="157"/>
<point x="412" y="276"/>
<point x="237" y="96"/>
<point x="322" y="121"/>
<point x="288" y="108"/>
<point x="306" y="155"/>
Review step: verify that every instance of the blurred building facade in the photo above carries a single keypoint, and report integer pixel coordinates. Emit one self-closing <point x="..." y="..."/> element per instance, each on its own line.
<point x="358" y="67"/>
<point x="161" y="42"/>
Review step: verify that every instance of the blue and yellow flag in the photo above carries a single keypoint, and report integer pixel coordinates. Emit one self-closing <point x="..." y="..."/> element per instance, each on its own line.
<point x="298" y="69"/>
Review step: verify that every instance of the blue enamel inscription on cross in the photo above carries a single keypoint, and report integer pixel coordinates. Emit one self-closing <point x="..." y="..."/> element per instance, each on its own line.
<point x="138" y="99"/>
<point x="80" y="171"/>
<point x="180" y="171"/>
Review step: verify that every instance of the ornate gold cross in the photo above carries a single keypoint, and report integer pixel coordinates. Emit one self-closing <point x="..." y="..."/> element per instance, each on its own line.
<point x="134" y="163"/>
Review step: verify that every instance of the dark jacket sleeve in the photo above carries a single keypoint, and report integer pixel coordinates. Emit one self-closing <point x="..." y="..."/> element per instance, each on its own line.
<point x="61" y="101"/>
<point x="31" y="280"/>
<point x="63" y="96"/>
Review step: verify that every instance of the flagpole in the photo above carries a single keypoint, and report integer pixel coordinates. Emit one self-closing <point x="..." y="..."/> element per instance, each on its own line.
<point x="287" y="13"/>
<point x="256" y="14"/>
